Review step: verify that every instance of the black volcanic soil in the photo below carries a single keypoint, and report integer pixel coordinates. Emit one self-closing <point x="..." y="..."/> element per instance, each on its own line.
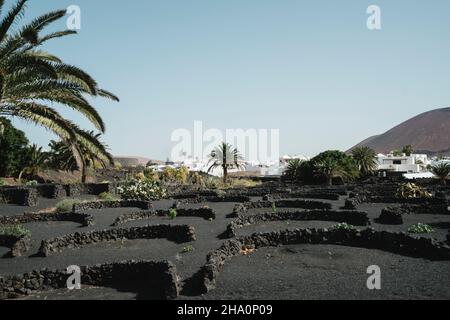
<point x="292" y="272"/>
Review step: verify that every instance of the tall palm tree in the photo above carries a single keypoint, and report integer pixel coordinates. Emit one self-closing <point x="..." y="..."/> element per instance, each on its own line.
<point x="294" y="169"/>
<point x="32" y="79"/>
<point x="333" y="164"/>
<point x="366" y="160"/>
<point x="37" y="160"/>
<point x="441" y="171"/>
<point x="226" y="157"/>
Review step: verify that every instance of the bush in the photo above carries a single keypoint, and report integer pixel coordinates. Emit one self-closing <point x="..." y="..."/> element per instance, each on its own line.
<point x="15" y="231"/>
<point x="172" y="175"/>
<point x="187" y="249"/>
<point x="2" y="183"/>
<point x="244" y="183"/>
<point x="421" y="228"/>
<point x="144" y="190"/>
<point x="66" y="206"/>
<point x="173" y="214"/>
<point x="13" y="149"/>
<point x="106" y="196"/>
<point x="151" y="174"/>
<point x="343" y="227"/>
<point x="32" y="183"/>
<point x="412" y="191"/>
<point x="197" y="179"/>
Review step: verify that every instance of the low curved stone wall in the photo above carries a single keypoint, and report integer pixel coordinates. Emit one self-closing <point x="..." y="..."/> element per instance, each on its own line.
<point x="156" y="279"/>
<point x="74" y="190"/>
<point x="94" y="205"/>
<point x="398" y="243"/>
<point x="84" y="219"/>
<point x="350" y="217"/>
<point x="51" y="191"/>
<point x="391" y="216"/>
<point x="18" y="245"/>
<point x="22" y="196"/>
<point x="295" y="204"/>
<point x="205" y="213"/>
<point x="176" y="233"/>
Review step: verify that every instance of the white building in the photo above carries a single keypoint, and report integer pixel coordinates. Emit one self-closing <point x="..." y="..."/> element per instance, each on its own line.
<point x="415" y="163"/>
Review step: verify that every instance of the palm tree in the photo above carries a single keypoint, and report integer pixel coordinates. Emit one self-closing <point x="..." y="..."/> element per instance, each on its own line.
<point x="294" y="169"/>
<point x="366" y="160"/>
<point x="441" y="171"/>
<point x="335" y="164"/>
<point x="62" y="156"/>
<point x="37" y="160"/>
<point x="408" y="150"/>
<point x="32" y="79"/>
<point x="226" y="157"/>
<point x="330" y="168"/>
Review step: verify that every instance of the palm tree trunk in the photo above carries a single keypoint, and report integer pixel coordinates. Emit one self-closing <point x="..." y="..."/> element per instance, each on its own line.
<point x="330" y="180"/>
<point x="225" y="174"/>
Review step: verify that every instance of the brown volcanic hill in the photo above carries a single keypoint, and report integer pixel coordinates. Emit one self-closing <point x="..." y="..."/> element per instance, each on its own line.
<point x="427" y="133"/>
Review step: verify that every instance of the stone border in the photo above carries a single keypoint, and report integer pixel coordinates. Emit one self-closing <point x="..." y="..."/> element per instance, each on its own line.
<point x="176" y="233"/>
<point x="391" y="216"/>
<point x="295" y="204"/>
<point x="96" y="205"/>
<point x="28" y="196"/>
<point x="84" y="219"/>
<point x="205" y="213"/>
<point x="22" y="196"/>
<point x="132" y="275"/>
<point x="314" y="195"/>
<point x="350" y="217"/>
<point x="398" y="243"/>
<point x="213" y="199"/>
<point x="18" y="245"/>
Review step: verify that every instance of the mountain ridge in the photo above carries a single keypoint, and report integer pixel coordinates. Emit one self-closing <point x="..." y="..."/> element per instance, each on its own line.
<point x="428" y="133"/>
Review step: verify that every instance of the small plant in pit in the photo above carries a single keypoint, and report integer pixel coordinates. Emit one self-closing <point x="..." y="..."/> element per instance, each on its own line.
<point x="15" y="231"/>
<point x="187" y="249"/>
<point x="144" y="190"/>
<point x="66" y="206"/>
<point x="274" y="208"/>
<point x="421" y="228"/>
<point x="173" y="214"/>
<point x="107" y="196"/>
<point x="32" y="183"/>
<point x="344" y="227"/>
<point x="412" y="191"/>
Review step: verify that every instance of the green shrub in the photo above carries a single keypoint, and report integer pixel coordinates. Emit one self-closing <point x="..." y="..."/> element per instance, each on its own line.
<point x="106" y="196"/>
<point x="197" y="179"/>
<point x="274" y="208"/>
<point x="15" y="231"/>
<point x="32" y="183"/>
<point x="151" y="174"/>
<point x="344" y="227"/>
<point x="2" y="183"/>
<point x="144" y="190"/>
<point x="173" y="214"/>
<point x="412" y="191"/>
<point x="66" y="206"/>
<point x="421" y="228"/>
<point x="187" y="249"/>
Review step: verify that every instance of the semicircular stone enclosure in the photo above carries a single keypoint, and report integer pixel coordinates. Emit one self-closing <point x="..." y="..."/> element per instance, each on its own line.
<point x="273" y="241"/>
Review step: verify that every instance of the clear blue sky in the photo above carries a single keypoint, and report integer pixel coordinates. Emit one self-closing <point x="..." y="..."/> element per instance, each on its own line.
<point x="310" y="68"/>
